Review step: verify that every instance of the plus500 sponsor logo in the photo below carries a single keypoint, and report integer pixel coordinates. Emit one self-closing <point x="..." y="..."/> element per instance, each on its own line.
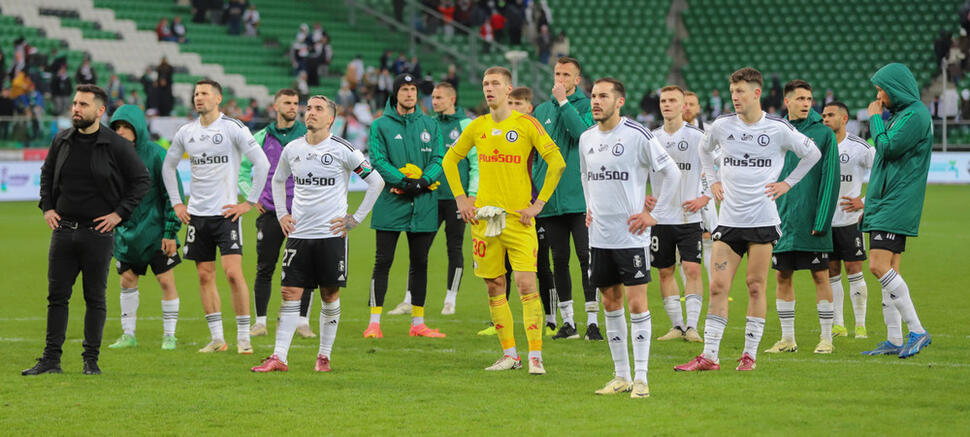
<point x="313" y="180"/>
<point x="608" y="175"/>
<point x="500" y="158"/>
<point x="205" y="160"/>
<point x="747" y="162"/>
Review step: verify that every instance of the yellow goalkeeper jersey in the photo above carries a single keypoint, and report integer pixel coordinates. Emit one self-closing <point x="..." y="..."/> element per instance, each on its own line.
<point x="505" y="154"/>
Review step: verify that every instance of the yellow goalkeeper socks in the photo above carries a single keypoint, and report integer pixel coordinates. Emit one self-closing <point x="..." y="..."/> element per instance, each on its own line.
<point x="532" y="319"/>
<point x="498" y="306"/>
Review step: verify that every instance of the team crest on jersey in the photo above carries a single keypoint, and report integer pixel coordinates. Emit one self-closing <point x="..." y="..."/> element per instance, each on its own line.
<point x="682" y="145"/>
<point x="858" y="242"/>
<point x="340" y="266"/>
<point x="617" y="149"/>
<point x="217" y="139"/>
<point x="326" y="159"/>
<point x="425" y="136"/>
<point x="637" y="261"/>
<point x="844" y="158"/>
<point x="454" y="134"/>
<point x="233" y="235"/>
<point x="763" y="140"/>
<point x="511" y="136"/>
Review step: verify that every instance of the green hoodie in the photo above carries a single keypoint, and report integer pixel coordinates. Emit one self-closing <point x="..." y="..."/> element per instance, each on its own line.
<point x="897" y="184"/>
<point x="139" y="239"/>
<point x="451" y="126"/>
<point x="810" y="204"/>
<point x="396" y="140"/>
<point x="564" y="124"/>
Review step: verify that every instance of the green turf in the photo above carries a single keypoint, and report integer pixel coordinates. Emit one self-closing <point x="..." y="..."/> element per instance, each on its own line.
<point x="402" y="385"/>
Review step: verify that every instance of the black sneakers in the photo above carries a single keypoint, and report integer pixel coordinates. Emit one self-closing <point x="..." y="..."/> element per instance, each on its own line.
<point x="91" y="367"/>
<point x="567" y="330"/>
<point x="42" y="366"/>
<point x="593" y="333"/>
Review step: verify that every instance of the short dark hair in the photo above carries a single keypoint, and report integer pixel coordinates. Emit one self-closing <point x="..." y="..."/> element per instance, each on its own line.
<point x="748" y="74"/>
<point x="99" y="94"/>
<point x="284" y="92"/>
<point x="522" y="93"/>
<point x="673" y="88"/>
<point x="445" y="86"/>
<point x="329" y="103"/>
<point x="618" y="87"/>
<point x="211" y="83"/>
<point x="839" y="105"/>
<point x="795" y="84"/>
<point x="569" y="60"/>
<point x="499" y="70"/>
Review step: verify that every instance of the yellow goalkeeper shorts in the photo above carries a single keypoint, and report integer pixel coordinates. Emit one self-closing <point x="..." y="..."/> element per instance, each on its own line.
<point x="519" y="241"/>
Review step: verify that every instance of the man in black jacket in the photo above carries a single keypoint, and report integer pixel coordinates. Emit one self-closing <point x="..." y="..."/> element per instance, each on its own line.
<point x="90" y="182"/>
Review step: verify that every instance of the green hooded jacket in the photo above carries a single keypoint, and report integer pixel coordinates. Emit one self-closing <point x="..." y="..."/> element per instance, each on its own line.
<point x="564" y="124"/>
<point x="810" y="204"/>
<point x="897" y="184"/>
<point x="139" y="239"/>
<point x="451" y="126"/>
<point x="396" y="140"/>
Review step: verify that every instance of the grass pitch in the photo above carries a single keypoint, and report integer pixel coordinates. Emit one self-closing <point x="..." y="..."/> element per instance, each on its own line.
<point x="403" y="385"/>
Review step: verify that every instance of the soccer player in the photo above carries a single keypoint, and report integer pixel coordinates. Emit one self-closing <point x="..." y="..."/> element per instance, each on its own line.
<point x="215" y="144"/>
<point x="806" y="221"/>
<point x="894" y="199"/>
<point x="505" y="140"/>
<point x="692" y="109"/>
<point x="402" y="136"/>
<point x="679" y="217"/>
<point x="269" y="236"/>
<point x="316" y="244"/>
<point x="616" y="160"/>
<point x="855" y="158"/>
<point x="149" y="238"/>
<point x="753" y="147"/>
<point x="451" y="121"/>
<point x="566" y="116"/>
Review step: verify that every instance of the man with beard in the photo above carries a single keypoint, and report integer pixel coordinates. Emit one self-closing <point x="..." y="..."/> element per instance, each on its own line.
<point x="91" y="181"/>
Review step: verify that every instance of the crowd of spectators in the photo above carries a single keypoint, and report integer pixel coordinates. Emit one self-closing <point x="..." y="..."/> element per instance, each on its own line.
<point x="239" y="16"/>
<point x="311" y="53"/>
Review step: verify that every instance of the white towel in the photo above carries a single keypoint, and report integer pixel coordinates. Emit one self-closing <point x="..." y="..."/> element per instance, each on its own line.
<point x="494" y="219"/>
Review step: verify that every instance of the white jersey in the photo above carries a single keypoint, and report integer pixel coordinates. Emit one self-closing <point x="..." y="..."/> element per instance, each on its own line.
<point x="752" y="156"/>
<point x="321" y="175"/>
<point x="615" y="167"/>
<point x="682" y="146"/>
<point x="215" y="152"/>
<point x="855" y="156"/>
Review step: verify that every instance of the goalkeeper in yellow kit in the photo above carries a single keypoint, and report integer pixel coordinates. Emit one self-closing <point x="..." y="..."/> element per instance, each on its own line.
<point x="506" y="141"/>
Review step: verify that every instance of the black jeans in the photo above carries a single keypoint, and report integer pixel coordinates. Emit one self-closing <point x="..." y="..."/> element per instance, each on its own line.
<point x="269" y="240"/>
<point x="558" y="229"/>
<point x="454" y="236"/>
<point x="419" y="243"/>
<point x="77" y="249"/>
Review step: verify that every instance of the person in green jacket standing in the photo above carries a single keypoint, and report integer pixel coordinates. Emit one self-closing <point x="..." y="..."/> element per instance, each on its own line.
<point x="894" y="199"/>
<point x="149" y="238"/>
<point x="806" y="222"/>
<point x="565" y="117"/>
<point x="451" y="122"/>
<point x="404" y="135"/>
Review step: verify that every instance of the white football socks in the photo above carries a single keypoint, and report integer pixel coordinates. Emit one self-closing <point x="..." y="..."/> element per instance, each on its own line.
<point x="899" y="296"/>
<point x="329" y="321"/>
<point x="754" y="328"/>
<point x="838" y="300"/>
<point x="242" y="329"/>
<point x="858" y="293"/>
<point x="713" y="331"/>
<point x="129" y="310"/>
<point x="592" y="313"/>
<point x="215" y="326"/>
<point x="692" y="306"/>
<point x="289" y="316"/>
<point x="170" y="316"/>
<point x="825" y="311"/>
<point x="786" y="316"/>
<point x="566" y="311"/>
<point x="640" y="332"/>
<point x="672" y="307"/>
<point x="616" y="337"/>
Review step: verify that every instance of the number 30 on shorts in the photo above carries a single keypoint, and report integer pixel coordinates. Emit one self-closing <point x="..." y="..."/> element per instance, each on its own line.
<point x="478" y="247"/>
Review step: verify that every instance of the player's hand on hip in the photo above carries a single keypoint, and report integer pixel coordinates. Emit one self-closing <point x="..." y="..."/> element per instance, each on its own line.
<point x="640" y="222"/>
<point x="466" y="206"/>
<point x="107" y="223"/>
<point x="182" y="212"/>
<point x="234" y="211"/>
<point x="341" y="225"/>
<point x="526" y="215"/>
<point x="851" y="204"/>
<point x="287" y="224"/>
<point x="650" y="203"/>
<point x="718" y="191"/>
<point x="169" y="247"/>
<point x="776" y="189"/>
<point x="875" y="108"/>
<point x="52" y="218"/>
<point x="695" y="205"/>
<point x="589" y="218"/>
